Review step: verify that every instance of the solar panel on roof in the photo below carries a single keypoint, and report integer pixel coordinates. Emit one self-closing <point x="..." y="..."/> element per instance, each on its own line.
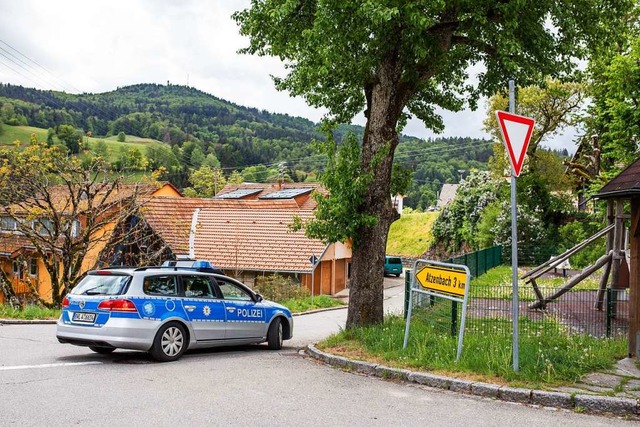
<point x="288" y="193"/>
<point x="239" y="193"/>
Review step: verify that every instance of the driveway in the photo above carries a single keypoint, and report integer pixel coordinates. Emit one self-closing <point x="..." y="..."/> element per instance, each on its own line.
<point x="311" y="328"/>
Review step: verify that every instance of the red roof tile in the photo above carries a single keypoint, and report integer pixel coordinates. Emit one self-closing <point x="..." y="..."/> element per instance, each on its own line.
<point x="236" y="234"/>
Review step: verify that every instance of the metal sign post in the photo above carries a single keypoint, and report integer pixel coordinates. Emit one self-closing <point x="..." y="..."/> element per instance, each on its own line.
<point x="313" y="259"/>
<point x="515" y="304"/>
<point x="439" y="279"/>
<point x="516" y="133"/>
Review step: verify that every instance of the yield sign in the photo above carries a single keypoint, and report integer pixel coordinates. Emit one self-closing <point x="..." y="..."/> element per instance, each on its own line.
<point x="516" y="133"/>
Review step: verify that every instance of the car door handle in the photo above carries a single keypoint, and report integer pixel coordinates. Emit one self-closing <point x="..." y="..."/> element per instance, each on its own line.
<point x="190" y="307"/>
<point x="232" y="309"/>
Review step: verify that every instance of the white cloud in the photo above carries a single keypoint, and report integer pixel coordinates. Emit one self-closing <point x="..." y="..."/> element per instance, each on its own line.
<point x="98" y="45"/>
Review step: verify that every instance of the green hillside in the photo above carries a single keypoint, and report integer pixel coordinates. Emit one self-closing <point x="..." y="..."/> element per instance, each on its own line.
<point x="411" y="234"/>
<point x="23" y="134"/>
<point x="198" y="128"/>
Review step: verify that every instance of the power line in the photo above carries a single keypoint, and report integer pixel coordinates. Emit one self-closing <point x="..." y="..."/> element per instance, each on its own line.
<point x="312" y="160"/>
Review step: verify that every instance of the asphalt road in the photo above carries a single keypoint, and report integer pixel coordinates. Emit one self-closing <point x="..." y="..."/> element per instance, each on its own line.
<point x="44" y="383"/>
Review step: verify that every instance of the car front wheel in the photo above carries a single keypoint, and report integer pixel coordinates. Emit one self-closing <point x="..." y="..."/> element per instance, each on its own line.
<point x="170" y="343"/>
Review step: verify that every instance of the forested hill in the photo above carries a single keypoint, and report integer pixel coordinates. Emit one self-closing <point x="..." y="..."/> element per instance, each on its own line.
<point x="237" y="136"/>
<point x="173" y="114"/>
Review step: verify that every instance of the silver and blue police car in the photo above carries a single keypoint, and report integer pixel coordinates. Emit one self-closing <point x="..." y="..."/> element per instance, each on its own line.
<point x="167" y="310"/>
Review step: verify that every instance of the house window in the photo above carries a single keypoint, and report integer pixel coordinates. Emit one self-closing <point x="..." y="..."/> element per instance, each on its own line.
<point x="8" y="223"/>
<point x="16" y="268"/>
<point x="75" y="228"/>
<point x="33" y="267"/>
<point x="43" y="226"/>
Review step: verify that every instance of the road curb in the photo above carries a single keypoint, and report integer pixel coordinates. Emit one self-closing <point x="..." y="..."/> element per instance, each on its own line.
<point x="581" y="403"/>
<point x="28" y="322"/>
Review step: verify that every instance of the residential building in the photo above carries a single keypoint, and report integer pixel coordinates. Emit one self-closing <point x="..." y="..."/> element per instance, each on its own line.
<point x="21" y="262"/>
<point x="246" y="231"/>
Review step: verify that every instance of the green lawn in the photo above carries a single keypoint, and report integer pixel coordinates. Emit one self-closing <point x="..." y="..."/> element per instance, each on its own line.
<point x="548" y="357"/>
<point x="20" y="133"/>
<point x="30" y="312"/>
<point x="411" y="234"/>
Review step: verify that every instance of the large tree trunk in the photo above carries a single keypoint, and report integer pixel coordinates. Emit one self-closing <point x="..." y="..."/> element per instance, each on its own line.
<point x="385" y="104"/>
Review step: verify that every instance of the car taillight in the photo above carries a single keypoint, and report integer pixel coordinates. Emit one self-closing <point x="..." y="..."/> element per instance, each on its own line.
<point x="117" y="305"/>
<point x="65" y="302"/>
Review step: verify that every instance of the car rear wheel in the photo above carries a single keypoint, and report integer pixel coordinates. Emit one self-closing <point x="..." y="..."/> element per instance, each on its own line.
<point x="170" y="343"/>
<point x="102" y="350"/>
<point x="275" y="334"/>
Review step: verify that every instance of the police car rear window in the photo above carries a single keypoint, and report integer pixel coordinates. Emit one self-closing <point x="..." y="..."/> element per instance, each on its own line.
<point x="160" y="285"/>
<point x="102" y="285"/>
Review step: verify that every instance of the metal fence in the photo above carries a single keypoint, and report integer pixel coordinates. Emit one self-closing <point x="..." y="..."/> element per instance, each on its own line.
<point x="489" y="312"/>
<point x="480" y="261"/>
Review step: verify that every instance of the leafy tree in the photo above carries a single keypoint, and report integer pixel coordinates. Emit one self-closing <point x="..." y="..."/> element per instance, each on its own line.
<point x="101" y="150"/>
<point x="395" y="58"/>
<point x="121" y="136"/>
<point x="258" y="173"/>
<point x="197" y="157"/>
<point x="400" y="179"/>
<point x="615" y="112"/>
<point x="161" y="155"/>
<point x="457" y="225"/>
<point x="338" y="216"/>
<point x="50" y="134"/>
<point x="205" y="182"/>
<point x="553" y="106"/>
<point x="69" y="137"/>
<point x="1" y="128"/>
<point x="235" y="178"/>
<point x="212" y="161"/>
<point x="61" y="209"/>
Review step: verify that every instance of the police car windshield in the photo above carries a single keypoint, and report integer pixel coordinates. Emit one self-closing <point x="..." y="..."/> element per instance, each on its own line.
<point x="101" y="285"/>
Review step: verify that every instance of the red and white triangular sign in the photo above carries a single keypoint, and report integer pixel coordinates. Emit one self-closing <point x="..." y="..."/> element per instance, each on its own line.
<point x="516" y="133"/>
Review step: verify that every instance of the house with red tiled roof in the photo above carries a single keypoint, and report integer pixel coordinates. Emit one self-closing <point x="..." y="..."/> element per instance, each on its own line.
<point x="246" y="231"/>
<point x="22" y="264"/>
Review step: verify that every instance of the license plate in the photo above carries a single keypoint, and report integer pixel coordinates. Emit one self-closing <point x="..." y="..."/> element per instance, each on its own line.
<point x="84" y="317"/>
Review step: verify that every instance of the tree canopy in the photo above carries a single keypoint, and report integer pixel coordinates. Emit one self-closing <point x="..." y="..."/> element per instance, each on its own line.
<point x="392" y="59"/>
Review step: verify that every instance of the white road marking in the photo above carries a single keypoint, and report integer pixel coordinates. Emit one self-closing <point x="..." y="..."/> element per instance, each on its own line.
<point x="47" y="365"/>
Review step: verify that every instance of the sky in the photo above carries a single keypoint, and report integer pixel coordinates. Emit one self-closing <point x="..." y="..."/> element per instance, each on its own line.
<point x="96" y="46"/>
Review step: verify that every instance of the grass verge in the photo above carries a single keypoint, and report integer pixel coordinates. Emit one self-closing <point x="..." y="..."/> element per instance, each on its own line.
<point x="300" y="305"/>
<point x="548" y="357"/>
<point x="30" y="312"/>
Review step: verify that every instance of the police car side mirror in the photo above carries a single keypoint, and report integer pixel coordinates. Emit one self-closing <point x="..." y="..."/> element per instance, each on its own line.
<point x="259" y="297"/>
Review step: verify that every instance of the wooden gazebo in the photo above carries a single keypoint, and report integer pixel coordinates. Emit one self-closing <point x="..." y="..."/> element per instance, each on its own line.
<point x="625" y="188"/>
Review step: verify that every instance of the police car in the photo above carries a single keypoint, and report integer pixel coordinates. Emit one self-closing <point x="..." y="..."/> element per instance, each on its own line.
<point x="167" y="310"/>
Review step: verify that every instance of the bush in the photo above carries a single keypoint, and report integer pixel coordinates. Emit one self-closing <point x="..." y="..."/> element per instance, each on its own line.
<point x="279" y="288"/>
<point x="577" y="231"/>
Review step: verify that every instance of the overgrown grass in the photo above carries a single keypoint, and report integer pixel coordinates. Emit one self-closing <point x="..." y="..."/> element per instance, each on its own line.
<point x="548" y="356"/>
<point x="30" y="312"/>
<point x="411" y="234"/>
<point x="300" y="305"/>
